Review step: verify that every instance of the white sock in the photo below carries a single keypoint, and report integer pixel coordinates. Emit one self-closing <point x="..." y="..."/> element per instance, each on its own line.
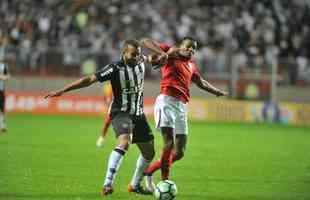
<point x="115" y="161"/>
<point x="141" y="166"/>
<point x="149" y="184"/>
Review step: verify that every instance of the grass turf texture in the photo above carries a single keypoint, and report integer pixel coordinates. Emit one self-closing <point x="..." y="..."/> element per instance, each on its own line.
<point x="55" y="157"/>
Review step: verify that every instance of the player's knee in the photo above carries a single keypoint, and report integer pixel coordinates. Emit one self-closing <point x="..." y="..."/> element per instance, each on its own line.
<point x="168" y="137"/>
<point x="169" y="144"/>
<point x="124" y="145"/>
<point x="124" y="142"/>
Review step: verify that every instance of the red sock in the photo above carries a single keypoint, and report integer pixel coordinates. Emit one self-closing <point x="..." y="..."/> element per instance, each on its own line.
<point x="107" y="122"/>
<point x="153" y="167"/>
<point x="157" y="164"/>
<point x="165" y="159"/>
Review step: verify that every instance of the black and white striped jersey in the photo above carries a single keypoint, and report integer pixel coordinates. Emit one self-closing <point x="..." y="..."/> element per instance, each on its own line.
<point x="127" y="85"/>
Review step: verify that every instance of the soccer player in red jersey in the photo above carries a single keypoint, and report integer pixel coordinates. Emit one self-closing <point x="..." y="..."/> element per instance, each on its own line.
<point x="170" y="109"/>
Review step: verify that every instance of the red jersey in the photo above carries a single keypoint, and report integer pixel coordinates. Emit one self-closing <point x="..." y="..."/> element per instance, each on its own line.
<point x="177" y="76"/>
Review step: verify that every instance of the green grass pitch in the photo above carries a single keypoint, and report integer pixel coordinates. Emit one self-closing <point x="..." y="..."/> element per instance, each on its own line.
<point x="55" y="157"/>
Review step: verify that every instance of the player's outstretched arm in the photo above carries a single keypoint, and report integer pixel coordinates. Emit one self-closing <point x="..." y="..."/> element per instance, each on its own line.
<point x="153" y="46"/>
<point x="160" y="56"/>
<point x="80" y="83"/>
<point x="178" y="53"/>
<point x="205" y="85"/>
<point x="157" y="57"/>
<point x="172" y="52"/>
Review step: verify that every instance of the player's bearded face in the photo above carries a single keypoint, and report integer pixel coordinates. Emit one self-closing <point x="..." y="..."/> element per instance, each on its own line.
<point x="190" y="48"/>
<point x="131" y="55"/>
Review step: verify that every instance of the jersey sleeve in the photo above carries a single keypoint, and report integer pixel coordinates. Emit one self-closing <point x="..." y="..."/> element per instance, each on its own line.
<point x="105" y="73"/>
<point x="163" y="46"/>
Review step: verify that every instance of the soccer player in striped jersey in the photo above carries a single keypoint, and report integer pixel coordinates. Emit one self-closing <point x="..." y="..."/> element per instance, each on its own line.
<point x="170" y="110"/>
<point x="128" y="119"/>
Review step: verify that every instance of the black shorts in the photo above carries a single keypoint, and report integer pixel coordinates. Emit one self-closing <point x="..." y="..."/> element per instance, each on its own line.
<point x="2" y="101"/>
<point x="123" y="123"/>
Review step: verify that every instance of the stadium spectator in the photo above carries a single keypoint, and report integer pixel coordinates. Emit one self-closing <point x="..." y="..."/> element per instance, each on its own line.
<point x="264" y="31"/>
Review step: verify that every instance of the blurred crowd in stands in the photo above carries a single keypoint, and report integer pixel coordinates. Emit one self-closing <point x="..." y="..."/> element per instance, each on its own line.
<point x="248" y="35"/>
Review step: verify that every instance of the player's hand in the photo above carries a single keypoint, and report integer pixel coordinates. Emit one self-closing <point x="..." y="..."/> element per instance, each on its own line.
<point x="162" y="59"/>
<point x="54" y="94"/>
<point x="100" y="141"/>
<point x="158" y="61"/>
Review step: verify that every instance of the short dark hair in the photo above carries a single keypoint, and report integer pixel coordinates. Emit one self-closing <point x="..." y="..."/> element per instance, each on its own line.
<point x="132" y="42"/>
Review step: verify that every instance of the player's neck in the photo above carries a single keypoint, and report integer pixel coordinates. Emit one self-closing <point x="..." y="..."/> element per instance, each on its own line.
<point x="128" y="64"/>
